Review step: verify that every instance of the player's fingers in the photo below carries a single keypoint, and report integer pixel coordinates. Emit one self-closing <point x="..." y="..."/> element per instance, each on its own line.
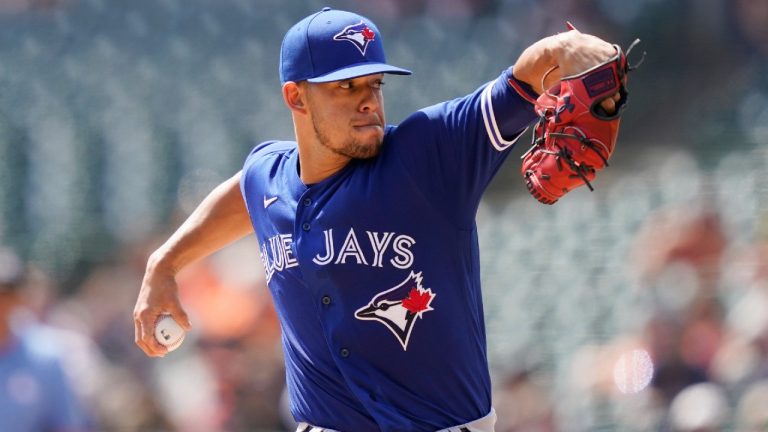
<point x="609" y="105"/>
<point x="137" y="332"/>
<point x="180" y="316"/>
<point x="139" y="338"/>
<point x="145" y="337"/>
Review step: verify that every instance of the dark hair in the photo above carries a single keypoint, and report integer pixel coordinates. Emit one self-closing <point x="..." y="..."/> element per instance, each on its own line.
<point x="11" y="270"/>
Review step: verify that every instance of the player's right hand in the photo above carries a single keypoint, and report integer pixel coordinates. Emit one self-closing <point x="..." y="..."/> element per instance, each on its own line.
<point x="159" y="295"/>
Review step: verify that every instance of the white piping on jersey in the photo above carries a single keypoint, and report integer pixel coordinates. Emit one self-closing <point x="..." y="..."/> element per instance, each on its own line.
<point x="486" y="105"/>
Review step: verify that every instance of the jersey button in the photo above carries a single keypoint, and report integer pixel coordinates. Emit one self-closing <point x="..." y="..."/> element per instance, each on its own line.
<point x="305" y="226"/>
<point x="326" y="300"/>
<point x="307" y="202"/>
<point x="344" y="352"/>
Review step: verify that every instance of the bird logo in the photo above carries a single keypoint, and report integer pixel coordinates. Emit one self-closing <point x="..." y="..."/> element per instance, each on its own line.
<point x="360" y="35"/>
<point x="399" y="307"/>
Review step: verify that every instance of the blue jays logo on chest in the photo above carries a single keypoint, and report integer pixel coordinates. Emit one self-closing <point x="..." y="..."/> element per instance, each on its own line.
<point x="399" y="307"/>
<point x="359" y="35"/>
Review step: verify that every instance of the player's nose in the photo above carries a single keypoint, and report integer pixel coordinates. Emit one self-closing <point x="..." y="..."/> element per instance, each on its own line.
<point x="371" y="101"/>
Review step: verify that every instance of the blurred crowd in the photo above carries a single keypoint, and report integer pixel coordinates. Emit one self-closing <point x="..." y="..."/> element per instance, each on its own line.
<point x="688" y="353"/>
<point x="696" y="360"/>
<point x="227" y="376"/>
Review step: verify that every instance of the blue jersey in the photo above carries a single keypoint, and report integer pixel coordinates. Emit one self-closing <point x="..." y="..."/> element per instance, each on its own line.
<point x="374" y="271"/>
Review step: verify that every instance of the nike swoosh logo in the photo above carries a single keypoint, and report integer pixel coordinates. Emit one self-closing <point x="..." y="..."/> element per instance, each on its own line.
<point x="269" y="201"/>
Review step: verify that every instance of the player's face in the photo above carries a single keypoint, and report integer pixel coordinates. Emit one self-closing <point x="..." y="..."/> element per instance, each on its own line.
<point x="348" y="115"/>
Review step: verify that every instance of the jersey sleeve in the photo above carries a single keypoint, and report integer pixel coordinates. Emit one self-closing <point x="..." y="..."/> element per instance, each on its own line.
<point x="453" y="149"/>
<point x="252" y="179"/>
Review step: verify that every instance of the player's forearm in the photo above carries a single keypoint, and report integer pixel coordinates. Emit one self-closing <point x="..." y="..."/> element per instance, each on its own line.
<point x="220" y="219"/>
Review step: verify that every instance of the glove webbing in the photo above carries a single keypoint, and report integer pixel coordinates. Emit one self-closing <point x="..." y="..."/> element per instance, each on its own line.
<point x="579" y="170"/>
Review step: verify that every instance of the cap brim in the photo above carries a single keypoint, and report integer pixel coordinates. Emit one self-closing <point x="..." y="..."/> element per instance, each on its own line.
<point x="358" y="71"/>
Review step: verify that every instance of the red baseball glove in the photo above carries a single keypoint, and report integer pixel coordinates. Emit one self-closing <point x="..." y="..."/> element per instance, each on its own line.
<point x="574" y="136"/>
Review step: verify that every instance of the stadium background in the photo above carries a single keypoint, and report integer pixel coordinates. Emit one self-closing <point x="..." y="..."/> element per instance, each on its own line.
<point x="117" y="117"/>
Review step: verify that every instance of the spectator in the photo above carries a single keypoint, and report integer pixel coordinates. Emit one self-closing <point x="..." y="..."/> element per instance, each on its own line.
<point x="35" y="394"/>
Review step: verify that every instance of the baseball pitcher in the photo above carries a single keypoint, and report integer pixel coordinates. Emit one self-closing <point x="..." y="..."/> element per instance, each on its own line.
<point x="367" y="230"/>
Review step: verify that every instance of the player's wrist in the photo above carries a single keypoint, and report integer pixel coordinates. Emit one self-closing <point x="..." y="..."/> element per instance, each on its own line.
<point x="562" y="48"/>
<point x="162" y="263"/>
<point x="575" y="52"/>
<point x="556" y="47"/>
<point x="536" y="60"/>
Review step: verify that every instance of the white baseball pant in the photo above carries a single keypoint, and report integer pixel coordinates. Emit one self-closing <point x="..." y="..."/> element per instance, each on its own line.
<point x="485" y="424"/>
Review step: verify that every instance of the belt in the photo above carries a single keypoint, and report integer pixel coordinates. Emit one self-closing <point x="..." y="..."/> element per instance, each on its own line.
<point x="484" y="424"/>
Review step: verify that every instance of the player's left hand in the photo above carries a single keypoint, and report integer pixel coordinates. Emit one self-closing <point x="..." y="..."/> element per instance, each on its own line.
<point x="576" y="52"/>
<point x="578" y="122"/>
<point x="550" y="59"/>
<point x="580" y="52"/>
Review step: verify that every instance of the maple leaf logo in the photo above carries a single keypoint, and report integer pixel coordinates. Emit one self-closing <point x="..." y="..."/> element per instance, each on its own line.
<point x="368" y="34"/>
<point x="399" y="307"/>
<point x="418" y="300"/>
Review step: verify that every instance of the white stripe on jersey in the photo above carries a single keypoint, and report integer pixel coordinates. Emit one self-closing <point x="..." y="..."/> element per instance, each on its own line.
<point x="486" y="105"/>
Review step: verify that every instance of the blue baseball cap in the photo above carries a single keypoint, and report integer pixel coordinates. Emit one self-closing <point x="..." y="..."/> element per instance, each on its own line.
<point x="333" y="45"/>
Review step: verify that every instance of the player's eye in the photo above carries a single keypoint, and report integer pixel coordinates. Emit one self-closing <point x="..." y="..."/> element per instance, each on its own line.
<point x="377" y="84"/>
<point x="346" y="84"/>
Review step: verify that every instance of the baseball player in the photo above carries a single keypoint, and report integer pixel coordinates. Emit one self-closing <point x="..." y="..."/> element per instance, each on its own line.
<point x="367" y="231"/>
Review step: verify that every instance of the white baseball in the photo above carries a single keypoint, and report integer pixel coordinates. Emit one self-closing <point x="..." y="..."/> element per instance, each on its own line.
<point x="168" y="332"/>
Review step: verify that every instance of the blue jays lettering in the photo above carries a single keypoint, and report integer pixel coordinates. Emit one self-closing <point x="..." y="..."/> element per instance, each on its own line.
<point x="395" y="248"/>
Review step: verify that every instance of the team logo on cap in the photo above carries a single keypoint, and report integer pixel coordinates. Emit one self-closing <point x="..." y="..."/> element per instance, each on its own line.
<point x="399" y="307"/>
<point x="360" y="35"/>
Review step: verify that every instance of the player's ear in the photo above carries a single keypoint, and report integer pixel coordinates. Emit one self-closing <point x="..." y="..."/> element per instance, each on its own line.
<point x="294" y="96"/>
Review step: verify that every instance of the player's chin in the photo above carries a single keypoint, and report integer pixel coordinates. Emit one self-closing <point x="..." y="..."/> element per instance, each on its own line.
<point x="365" y="150"/>
<point x="368" y="145"/>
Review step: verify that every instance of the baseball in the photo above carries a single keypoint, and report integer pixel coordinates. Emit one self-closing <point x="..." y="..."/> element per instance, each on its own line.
<point x="168" y="332"/>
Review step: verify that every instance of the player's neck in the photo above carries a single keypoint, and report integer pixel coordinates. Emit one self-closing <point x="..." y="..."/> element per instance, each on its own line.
<point x="311" y="172"/>
<point x="317" y="163"/>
